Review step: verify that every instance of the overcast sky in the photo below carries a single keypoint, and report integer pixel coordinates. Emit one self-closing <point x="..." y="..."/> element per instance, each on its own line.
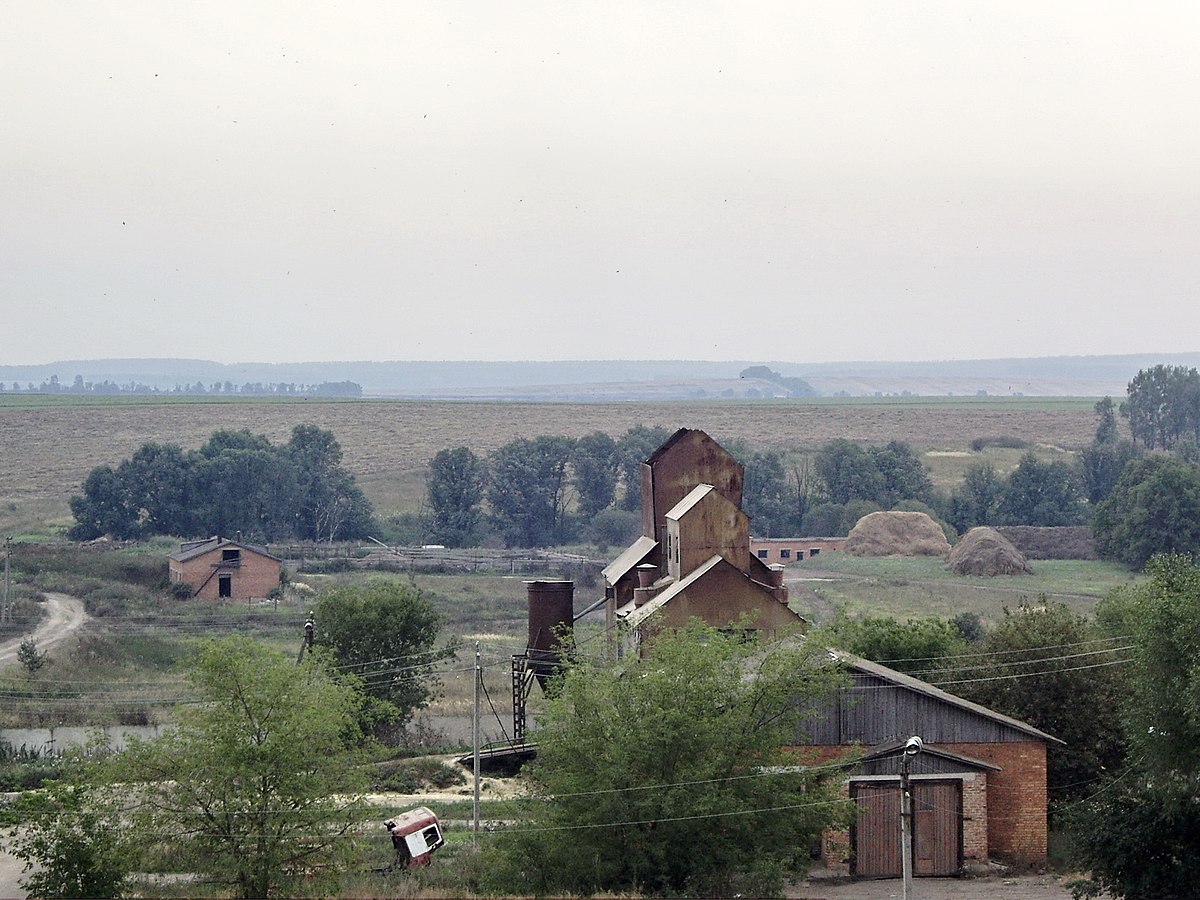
<point x="808" y="181"/>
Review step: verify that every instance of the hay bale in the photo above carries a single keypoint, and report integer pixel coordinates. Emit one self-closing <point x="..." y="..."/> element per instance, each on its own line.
<point x="897" y="534"/>
<point x="984" y="551"/>
<point x="1051" y="542"/>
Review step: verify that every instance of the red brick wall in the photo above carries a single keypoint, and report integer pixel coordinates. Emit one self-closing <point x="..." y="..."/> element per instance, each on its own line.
<point x="255" y="577"/>
<point x="975" y="822"/>
<point x="1016" y="801"/>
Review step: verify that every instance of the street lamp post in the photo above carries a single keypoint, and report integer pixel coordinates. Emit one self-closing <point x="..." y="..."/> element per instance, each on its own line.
<point x="912" y="747"/>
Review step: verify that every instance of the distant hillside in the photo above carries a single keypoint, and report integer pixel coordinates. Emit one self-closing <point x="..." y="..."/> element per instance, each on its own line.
<point x="608" y="380"/>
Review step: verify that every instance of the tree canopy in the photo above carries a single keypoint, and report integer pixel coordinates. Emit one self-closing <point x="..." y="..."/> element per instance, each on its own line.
<point x="669" y="774"/>
<point x="236" y="482"/>
<point x="1154" y="508"/>
<point x="385" y="633"/>
<point x="258" y="778"/>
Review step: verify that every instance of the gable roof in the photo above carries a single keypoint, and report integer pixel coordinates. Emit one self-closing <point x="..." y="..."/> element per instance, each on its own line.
<point x="638" y="615"/>
<point x="630" y="557"/>
<point x="194" y="549"/>
<point x="858" y="664"/>
<point x="666" y="445"/>
<point x="896" y="748"/>
<point x="694" y="496"/>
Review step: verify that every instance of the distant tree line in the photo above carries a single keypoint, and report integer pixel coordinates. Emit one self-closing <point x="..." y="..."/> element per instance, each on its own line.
<point x="554" y="489"/>
<point x="238" y="482"/>
<point x="225" y="388"/>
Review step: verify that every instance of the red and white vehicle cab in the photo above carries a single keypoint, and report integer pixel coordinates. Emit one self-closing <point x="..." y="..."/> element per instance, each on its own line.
<point x="415" y="835"/>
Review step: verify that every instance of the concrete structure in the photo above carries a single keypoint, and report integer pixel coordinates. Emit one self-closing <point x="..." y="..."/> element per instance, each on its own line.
<point x="218" y="568"/>
<point x="784" y="551"/>
<point x="979" y="784"/>
<point x="693" y="559"/>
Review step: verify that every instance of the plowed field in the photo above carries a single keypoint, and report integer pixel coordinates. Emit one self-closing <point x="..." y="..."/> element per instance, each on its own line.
<point x="47" y="449"/>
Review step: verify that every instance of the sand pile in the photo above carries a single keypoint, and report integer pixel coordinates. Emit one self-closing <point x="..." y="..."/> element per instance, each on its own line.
<point x="897" y="534"/>
<point x="984" y="551"/>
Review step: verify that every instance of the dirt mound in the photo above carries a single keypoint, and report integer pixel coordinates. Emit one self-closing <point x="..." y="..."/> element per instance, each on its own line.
<point x="1043" y="542"/>
<point x="897" y="534"/>
<point x="984" y="551"/>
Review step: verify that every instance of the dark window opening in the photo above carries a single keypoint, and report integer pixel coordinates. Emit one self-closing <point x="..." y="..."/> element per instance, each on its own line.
<point x="224" y="585"/>
<point x="785" y="554"/>
<point x="815" y="551"/>
<point x="231" y="555"/>
<point x="762" y="554"/>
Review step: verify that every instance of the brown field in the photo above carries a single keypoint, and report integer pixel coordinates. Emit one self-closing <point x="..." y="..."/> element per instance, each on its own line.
<point x="47" y="448"/>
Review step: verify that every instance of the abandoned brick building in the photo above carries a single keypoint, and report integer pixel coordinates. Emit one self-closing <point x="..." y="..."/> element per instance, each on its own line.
<point x="218" y="568"/>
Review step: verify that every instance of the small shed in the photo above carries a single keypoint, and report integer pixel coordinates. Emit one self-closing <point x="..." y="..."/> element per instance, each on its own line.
<point x="219" y="568"/>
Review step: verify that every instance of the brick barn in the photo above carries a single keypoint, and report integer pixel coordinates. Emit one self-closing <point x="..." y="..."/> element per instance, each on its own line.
<point x="219" y="568"/>
<point x="979" y="786"/>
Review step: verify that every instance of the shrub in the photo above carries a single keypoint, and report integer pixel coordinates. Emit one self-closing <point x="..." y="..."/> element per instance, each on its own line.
<point x="1005" y="440"/>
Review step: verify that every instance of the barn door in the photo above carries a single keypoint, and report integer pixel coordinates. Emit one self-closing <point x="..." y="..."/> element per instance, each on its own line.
<point x="224" y="585"/>
<point x="937" y="834"/>
<point x="876" y="833"/>
<point x="937" y="831"/>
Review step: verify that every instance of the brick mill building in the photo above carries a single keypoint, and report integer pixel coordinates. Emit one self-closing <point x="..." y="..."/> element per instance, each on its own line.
<point x="219" y="568"/>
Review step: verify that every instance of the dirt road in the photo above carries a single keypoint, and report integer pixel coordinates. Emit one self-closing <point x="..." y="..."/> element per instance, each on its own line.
<point x="996" y="887"/>
<point x="66" y="615"/>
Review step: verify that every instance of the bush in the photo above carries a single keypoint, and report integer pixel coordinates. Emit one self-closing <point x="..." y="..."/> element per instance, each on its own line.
<point x="1007" y="441"/>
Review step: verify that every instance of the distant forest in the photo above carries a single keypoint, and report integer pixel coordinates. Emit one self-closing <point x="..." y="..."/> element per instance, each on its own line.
<point x="218" y="388"/>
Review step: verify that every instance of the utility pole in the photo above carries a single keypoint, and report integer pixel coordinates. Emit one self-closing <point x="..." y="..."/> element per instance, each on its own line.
<point x="911" y="748"/>
<point x="6" y="610"/>
<point x="475" y="754"/>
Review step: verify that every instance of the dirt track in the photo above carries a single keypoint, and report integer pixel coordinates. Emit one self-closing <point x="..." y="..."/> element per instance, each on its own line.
<point x="66" y="616"/>
<point x="1019" y="887"/>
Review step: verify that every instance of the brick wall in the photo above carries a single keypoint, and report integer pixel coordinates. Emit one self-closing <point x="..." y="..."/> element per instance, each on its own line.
<point x="256" y="576"/>
<point x="975" y="822"/>
<point x="1016" y="799"/>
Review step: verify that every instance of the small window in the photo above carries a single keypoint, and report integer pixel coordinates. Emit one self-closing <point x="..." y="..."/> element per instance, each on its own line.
<point x="815" y="551"/>
<point x="762" y="554"/>
<point x="799" y="554"/>
<point x="228" y="555"/>
<point x="785" y="554"/>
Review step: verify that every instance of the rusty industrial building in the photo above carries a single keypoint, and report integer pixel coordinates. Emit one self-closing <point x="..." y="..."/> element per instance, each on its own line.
<point x="693" y="557"/>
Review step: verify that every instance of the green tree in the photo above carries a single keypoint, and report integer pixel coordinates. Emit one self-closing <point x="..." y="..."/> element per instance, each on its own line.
<point x="766" y="498"/>
<point x="30" y="657"/>
<point x="72" y="839"/>
<point x="849" y="472"/>
<point x="634" y="447"/>
<point x="668" y="774"/>
<point x="1101" y="466"/>
<point x="527" y="489"/>
<point x="455" y="492"/>
<point x="1139" y="835"/>
<point x="105" y="507"/>
<point x="1051" y="668"/>
<point x="904" y="474"/>
<point x="1041" y="493"/>
<point x="976" y="500"/>
<point x="921" y="647"/>
<point x="1106" y="427"/>
<point x="1154" y="508"/>
<point x="331" y="505"/>
<point x="596" y="469"/>
<point x="385" y="633"/>
<point x="257" y="780"/>
<point x="1163" y="406"/>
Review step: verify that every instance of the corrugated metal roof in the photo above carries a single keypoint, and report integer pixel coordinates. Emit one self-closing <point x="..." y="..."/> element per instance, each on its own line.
<point x="630" y="557"/>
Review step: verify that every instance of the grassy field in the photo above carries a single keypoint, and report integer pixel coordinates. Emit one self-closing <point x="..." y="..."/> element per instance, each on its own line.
<point x="51" y="442"/>
<point x="914" y="587"/>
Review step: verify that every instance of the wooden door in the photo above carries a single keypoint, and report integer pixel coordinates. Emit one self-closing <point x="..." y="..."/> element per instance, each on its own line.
<point x="876" y="833"/>
<point x="937" y="828"/>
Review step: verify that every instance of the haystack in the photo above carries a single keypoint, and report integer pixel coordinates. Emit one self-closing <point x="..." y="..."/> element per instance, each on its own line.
<point x="984" y="551"/>
<point x="897" y="534"/>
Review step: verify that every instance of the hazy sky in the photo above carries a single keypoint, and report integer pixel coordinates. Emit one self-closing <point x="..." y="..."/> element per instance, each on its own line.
<point x="809" y="181"/>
